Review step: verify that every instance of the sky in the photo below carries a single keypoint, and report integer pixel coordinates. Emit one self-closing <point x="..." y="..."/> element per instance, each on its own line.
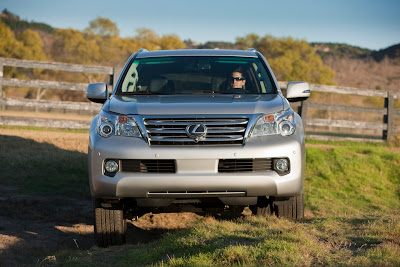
<point x="372" y="24"/>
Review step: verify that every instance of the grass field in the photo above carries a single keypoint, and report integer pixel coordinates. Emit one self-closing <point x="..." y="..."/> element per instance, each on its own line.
<point x="352" y="212"/>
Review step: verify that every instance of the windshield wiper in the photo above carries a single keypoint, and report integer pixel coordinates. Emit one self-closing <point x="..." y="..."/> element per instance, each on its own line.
<point x="215" y="92"/>
<point x="146" y="93"/>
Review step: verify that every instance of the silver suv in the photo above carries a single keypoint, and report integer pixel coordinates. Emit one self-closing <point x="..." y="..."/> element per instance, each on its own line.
<point x="194" y="130"/>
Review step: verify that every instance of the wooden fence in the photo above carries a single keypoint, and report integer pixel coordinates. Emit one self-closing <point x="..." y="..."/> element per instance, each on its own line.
<point x="388" y="126"/>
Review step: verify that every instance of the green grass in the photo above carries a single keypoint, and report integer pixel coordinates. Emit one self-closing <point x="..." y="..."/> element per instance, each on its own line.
<point x="352" y="197"/>
<point x="255" y="241"/>
<point x="352" y="178"/>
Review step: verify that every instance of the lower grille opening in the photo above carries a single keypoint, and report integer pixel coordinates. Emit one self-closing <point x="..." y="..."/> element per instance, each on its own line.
<point x="148" y="166"/>
<point x="244" y="165"/>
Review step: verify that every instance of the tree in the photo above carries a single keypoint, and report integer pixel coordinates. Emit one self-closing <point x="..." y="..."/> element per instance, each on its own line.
<point x="33" y="45"/>
<point x="103" y="27"/>
<point x="72" y="47"/>
<point x="248" y="41"/>
<point x="290" y="59"/>
<point x="33" y="50"/>
<point x="9" y="45"/>
<point x="146" y="38"/>
<point x="171" y="41"/>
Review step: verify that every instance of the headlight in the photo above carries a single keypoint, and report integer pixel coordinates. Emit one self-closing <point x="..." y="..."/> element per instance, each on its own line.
<point x="280" y="123"/>
<point x="113" y="124"/>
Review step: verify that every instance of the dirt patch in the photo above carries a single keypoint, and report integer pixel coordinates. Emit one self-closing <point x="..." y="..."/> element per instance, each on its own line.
<point x="33" y="227"/>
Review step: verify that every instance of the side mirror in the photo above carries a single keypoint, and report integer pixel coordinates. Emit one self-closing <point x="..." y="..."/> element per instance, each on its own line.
<point x="297" y="91"/>
<point x="97" y="92"/>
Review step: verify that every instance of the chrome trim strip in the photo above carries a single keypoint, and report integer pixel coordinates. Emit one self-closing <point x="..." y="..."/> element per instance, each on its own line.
<point x="196" y="194"/>
<point x="188" y="139"/>
<point x="171" y="123"/>
<point x="210" y="130"/>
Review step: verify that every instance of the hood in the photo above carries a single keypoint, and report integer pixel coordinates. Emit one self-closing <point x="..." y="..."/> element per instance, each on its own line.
<point x="194" y="104"/>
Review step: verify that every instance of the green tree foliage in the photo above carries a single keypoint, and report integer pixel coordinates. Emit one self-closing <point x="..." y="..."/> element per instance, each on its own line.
<point x="290" y="59"/>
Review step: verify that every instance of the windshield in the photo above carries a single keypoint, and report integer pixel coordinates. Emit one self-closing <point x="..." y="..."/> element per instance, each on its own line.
<point x="196" y="75"/>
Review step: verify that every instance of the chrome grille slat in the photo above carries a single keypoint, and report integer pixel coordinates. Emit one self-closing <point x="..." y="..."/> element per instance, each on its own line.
<point x="182" y="139"/>
<point x="172" y="131"/>
<point x="171" y="123"/>
<point x="209" y="130"/>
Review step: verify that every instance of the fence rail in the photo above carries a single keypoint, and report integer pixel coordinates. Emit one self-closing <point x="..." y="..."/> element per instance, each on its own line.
<point x="388" y="112"/>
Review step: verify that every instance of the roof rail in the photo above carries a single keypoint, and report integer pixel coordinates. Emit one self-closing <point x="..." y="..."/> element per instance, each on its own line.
<point x="252" y="49"/>
<point x="142" y="50"/>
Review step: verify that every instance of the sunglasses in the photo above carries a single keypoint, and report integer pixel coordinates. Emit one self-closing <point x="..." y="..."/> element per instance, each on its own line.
<point x="237" y="79"/>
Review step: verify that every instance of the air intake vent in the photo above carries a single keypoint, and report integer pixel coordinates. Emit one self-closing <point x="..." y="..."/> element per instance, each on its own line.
<point x="219" y="130"/>
<point x="244" y="165"/>
<point x="148" y="166"/>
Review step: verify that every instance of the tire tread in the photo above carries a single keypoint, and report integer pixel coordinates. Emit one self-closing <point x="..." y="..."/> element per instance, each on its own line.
<point x="109" y="226"/>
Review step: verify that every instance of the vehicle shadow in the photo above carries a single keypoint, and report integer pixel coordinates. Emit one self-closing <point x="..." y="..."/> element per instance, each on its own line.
<point x="44" y="202"/>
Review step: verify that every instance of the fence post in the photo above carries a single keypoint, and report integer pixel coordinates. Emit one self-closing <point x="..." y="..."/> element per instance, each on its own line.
<point x="389" y="118"/>
<point x="1" y="81"/>
<point x="303" y="113"/>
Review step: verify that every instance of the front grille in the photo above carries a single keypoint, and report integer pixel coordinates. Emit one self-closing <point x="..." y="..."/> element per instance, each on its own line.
<point x="244" y="165"/>
<point x="172" y="131"/>
<point x="148" y="166"/>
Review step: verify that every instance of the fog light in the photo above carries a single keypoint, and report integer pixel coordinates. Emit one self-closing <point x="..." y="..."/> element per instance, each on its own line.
<point x="282" y="165"/>
<point x="111" y="166"/>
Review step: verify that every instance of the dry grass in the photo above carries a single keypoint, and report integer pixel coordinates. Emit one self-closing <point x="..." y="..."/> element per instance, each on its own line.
<point x="66" y="141"/>
<point x="168" y="221"/>
<point x="384" y="75"/>
<point x="45" y="115"/>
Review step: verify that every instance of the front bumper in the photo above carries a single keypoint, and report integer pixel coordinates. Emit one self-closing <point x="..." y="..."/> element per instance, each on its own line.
<point x="197" y="173"/>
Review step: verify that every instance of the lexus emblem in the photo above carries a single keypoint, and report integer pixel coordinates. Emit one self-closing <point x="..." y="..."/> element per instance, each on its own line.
<point x="196" y="131"/>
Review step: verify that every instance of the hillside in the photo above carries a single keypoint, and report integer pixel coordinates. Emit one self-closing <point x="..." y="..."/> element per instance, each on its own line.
<point x="363" y="68"/>
<point x="17" y="25"/>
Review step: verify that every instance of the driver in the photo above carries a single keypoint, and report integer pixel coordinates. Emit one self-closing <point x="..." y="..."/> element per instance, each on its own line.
<point x="237" y="80"/>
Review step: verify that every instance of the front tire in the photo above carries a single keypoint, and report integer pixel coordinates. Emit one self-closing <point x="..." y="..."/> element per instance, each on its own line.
<point x="109" y="226"/>
<point x="291" y="211"/>
<point x="263" y="207"/>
